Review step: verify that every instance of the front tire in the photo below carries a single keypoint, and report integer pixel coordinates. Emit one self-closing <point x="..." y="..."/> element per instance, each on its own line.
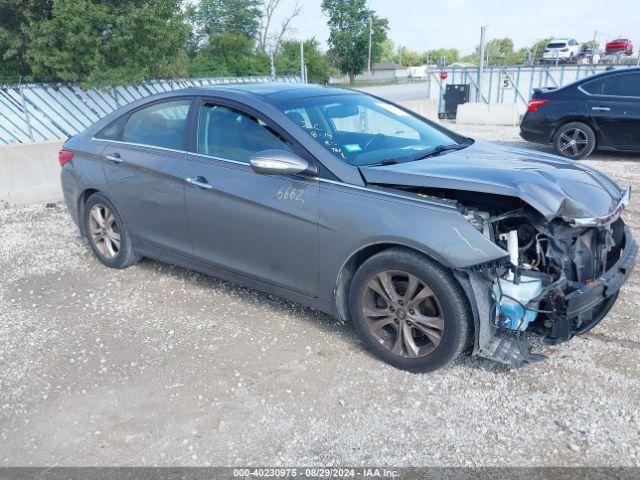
<point x="575" y="140"/>
<point x="107" y="233"/>
<point x="410" y="311"/>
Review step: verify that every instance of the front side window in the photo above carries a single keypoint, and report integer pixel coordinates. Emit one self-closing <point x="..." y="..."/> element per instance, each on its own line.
<point x="363" y="130"/>
<point x="160" y="125"/>
<point x="626" y="85"/>
<point x="230" y="134"/>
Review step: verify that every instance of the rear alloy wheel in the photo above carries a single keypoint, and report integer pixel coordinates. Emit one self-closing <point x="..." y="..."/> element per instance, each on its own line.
<point x="575" y="141"/>
<point x="410" y="311"/>
<point x="107" y="232"/>
<point x="104" y="231"/>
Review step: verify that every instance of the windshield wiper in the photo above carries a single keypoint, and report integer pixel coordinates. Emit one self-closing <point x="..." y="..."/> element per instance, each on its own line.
<point x="441" y="148"/>
<point x="386" y="161"/>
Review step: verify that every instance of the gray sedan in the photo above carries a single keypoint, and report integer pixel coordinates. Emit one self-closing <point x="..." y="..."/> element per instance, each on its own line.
<point x="431" y="243"/>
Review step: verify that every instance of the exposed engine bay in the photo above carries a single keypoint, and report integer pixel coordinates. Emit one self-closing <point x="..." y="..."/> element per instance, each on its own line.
<point x="558" y="280"/>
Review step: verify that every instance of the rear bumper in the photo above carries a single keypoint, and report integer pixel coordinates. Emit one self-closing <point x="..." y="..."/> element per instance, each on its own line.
<point x="70" y="192"/>
<point x="536" y="128"/>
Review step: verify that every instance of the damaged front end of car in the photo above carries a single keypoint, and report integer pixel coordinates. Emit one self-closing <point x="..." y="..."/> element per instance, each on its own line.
<point x="560" y="278"/>
<point x="567" y="250"/>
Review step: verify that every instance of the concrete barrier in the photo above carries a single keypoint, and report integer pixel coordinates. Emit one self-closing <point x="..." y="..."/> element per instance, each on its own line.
<point x="425" y="107"/>
<point x="496" y="114"/>
<point x="30" y="173"/>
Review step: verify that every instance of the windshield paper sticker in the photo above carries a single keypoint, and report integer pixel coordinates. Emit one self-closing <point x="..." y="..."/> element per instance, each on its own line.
<point x="352" y="148"/>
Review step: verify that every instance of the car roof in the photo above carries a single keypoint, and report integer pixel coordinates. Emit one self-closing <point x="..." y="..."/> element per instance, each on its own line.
<point x="273" y="91"/>
<point x="613" y="71"/>
<point x="606" y="73"/>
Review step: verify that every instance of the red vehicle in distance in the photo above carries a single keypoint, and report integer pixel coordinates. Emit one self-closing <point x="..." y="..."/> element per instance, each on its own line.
<point x="620" y="45"/>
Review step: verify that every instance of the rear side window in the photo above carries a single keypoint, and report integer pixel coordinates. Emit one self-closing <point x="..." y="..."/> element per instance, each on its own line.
<point x="619" y="85"/>
<point x="160" y="125"/>
<point x="230" y="134"/>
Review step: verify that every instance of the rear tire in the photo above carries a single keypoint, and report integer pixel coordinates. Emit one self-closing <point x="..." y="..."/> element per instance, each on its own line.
<point x="410" y="311"/>
<point x="108" y="233"/>
<point x="575" y="140"/>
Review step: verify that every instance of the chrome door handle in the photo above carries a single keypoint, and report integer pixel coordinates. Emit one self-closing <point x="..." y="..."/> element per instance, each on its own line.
<point x="114" y="157"/>
<point x="199" y="182"/>
<point x="601" y="109"/>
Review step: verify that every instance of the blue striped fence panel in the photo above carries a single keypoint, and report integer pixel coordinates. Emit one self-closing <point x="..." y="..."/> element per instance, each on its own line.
<point x="40" y="112"/>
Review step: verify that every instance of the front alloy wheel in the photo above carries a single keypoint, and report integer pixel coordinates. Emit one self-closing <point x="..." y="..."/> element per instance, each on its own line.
<point x="403" y="314"/>
<point x="410" y="311"/>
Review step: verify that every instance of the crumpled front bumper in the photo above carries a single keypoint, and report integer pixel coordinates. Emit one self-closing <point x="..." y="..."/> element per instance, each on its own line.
<point x="608" y="284"/>
<point x="586" y="306"/>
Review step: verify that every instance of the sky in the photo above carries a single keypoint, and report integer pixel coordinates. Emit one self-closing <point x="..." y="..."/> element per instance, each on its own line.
<point x="428" y="24"/>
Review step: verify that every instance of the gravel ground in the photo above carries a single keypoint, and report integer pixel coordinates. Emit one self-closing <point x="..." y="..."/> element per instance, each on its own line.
<point x="157" y="365"/>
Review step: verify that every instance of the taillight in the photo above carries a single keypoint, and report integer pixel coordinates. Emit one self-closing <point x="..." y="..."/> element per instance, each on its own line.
<point x="535" y="104"/>
<point x="564" y="50"/>
<point x="64" y="157"/>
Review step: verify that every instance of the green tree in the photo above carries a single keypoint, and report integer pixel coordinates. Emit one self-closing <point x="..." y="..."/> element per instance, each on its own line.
<point x="287" y="60"/>
<point x="499" y="51"/>
<point x="96" y="42"/>
<point x="212" y="18"/>
<point x="349" y="34"/>
<point x="388" y="52"/>
<point x="229" y="54"/>
<point x="537" y="49"/>
<point x="15" y="16"/>
<point x="410" y="57"/>
<point x="450" y="55"/>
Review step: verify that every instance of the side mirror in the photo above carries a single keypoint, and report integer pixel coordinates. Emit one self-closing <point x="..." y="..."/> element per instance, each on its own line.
<point x="277" y="162"/>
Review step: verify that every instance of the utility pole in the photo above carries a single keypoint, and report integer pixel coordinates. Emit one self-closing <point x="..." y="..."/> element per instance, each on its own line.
<point x="273" y="65"/>
<point x="302" y="69"/>
<point x="483" y="32"/>
<point x="428" y="75"/>
<point x="595" y="34"/>
<point x="370" y="36"/>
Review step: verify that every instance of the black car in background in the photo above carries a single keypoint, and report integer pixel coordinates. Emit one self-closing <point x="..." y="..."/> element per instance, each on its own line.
<point x="602" y="111"/>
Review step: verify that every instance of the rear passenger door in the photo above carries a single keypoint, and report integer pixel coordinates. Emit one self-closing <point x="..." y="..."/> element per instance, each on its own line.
<point x="614" y="103"/>
<point x="261" y="226"/>
<point x="144" y="162"/>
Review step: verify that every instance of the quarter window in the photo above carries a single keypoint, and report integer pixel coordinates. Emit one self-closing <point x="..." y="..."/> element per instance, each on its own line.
<point x="113" y="131"/>
<point x="160" y="125"/>
<point x="230" y="134"/>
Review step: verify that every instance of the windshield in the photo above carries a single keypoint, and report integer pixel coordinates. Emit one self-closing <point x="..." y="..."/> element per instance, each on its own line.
<point x="362" y="130"/>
